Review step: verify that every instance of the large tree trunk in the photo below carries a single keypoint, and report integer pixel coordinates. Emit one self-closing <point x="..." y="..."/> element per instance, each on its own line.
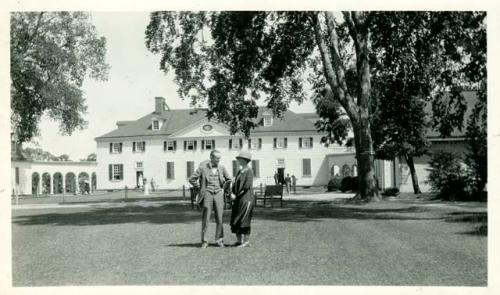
<point x="414" y="178"/>
<point x="368" y="190"/>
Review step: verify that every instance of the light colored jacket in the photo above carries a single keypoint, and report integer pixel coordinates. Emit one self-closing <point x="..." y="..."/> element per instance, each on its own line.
<point x="199" y="179"/>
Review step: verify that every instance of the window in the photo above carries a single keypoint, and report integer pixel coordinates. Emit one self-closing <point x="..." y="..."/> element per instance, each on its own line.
<point x="115" y="147"/>
<point x="139" y="146"/>
<point x="170" y="145"/>
<point x="189" y="168"/>
<point x="268" y="120"/>
<point x="305" y="142"/>
<point x="190" y="145"/>
<point x="280" y="143"/>
<point x="115" y="171"/>
<point x="255" y="168"/>
<point x="138" y="165"/>
<point x="208" y="144"/>
<point x="170" y="170"/>
<point x="254" y="144"/>
<point x="306" y="167"/>
<point x="17" y="175"/>
<point x="156" y="125"/>
<point x="235" y="144"/>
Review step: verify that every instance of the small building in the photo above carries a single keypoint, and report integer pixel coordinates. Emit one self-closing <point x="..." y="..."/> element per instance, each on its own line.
<point x="30" y="177"/>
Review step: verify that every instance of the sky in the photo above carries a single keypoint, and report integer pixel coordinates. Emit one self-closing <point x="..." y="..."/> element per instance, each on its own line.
<point x="134" y="81"/>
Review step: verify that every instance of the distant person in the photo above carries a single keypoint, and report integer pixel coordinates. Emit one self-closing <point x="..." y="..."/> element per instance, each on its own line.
<point x="210" y="178"/>
<point x="243" y="201"/>
<point x="294" y="184"/>
<point x="276" y="178"/>
<point x="153" y="184"/>
<point x="288" y="182"/>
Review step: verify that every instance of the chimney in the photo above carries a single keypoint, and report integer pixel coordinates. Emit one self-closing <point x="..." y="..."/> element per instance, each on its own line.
<point x="160" y="105"/>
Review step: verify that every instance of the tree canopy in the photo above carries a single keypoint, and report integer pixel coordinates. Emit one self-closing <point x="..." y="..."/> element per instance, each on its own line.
<point x="232" y="60"/>
<point x="51" y="54"/>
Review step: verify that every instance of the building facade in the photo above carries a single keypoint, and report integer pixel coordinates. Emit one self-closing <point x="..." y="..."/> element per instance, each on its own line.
<point x="167" y="145"/>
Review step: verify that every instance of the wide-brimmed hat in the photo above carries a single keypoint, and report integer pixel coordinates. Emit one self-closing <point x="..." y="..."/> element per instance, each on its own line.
<point x="244" y="155"/>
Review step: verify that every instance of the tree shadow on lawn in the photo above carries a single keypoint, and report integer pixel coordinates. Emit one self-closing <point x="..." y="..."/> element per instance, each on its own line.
<point x="182" y="213"/>
<point x="479" y="219"/>
<point x="127" y="200"/>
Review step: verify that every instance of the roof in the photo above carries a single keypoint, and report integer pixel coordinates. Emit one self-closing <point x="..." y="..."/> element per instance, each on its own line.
<point x="178" y="119"/>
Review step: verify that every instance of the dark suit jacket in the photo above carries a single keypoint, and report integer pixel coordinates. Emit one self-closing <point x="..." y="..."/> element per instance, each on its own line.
<point x="199" y="179"/>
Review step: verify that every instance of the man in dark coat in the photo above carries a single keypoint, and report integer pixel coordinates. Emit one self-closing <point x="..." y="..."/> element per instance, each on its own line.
<point x="210" y="178"/>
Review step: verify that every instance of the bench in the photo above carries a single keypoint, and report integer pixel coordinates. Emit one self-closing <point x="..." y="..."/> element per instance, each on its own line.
<point x="271" y="193"/>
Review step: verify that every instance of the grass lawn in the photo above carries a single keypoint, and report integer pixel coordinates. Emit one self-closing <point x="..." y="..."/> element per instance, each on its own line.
<point x="399" y="242"/>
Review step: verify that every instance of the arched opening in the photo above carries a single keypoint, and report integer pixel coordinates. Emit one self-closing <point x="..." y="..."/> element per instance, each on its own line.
<point x="354" y="170"/>
<point x="84" y="183"/>
<point x="94" y="182"/>
<point x="58" y="183"/>
<point x="70" y="182"/>
<point x="46" y="185"/>
<point x="334" y="171"/>
<point x="346" y="170"/>
<point x="35" y="183"/>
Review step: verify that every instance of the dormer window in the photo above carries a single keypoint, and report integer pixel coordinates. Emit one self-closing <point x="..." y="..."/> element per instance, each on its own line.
<point x="156" y="125"/>
<point x="268" y="120"/>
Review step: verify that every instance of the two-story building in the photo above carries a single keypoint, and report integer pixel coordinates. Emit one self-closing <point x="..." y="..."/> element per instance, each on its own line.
<point x="168" y="144"/>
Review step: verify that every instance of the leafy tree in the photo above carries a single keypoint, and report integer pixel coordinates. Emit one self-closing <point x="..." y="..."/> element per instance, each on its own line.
<point x="91" y="157"/>
<point x="51" y="54"/>
<point x="248" y="56"/>
<point x="416" y="61"/>
<point x="254" y="55"/>
<point x="62" y="157"/>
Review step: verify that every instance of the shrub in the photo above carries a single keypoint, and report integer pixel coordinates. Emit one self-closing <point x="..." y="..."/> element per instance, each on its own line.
<point x="334" y="183"/>
<point x="447" y="177"/>
<point x="349" y="183"/>
<point x="391" y="191"/>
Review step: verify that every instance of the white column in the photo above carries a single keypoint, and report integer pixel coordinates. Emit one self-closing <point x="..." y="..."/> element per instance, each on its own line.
<point x="63" y="184"/>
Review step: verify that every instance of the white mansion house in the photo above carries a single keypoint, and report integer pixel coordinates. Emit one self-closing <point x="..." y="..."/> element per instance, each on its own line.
<point x="167" y="145"/>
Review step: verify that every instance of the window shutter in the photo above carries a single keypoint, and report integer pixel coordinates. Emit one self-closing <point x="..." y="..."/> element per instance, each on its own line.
<point x="202" y="145"/>
<point x="213" y="144"/>
<point x="185" y="145"/>
<point x="230" y="143"/>
<point x="144" y="145"/>
<point x="235" y="168"/>
<point x="110" y="171"/>
<point x="274" y="142"/>
<point x="121" y="171"/>
<point x="195" y="144"/>
<point x="249" y="143"/>
<point x="300" y="142"/>
<point x="164" y="145"/>
<point x="241" y="143"/>
<point x="170" y="170"/>
<point x="311" y="142"/>
<point x="285" y="142"/>
<point x="175" y="145"/>
<point x="257" y="168"/>
<point x="110" y="147"/>
<point x="306" y="167"/>
<point x="260" y="143"/>
<point x="133" y="146"/>
<point x="121" y="146"/>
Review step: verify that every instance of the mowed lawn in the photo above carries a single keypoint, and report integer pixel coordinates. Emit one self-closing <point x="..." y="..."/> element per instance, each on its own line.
<point x="401" y="242"/>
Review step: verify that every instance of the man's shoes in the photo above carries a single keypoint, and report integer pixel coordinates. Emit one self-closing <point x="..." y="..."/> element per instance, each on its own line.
<point x="245" y="244"/>
<point x="204" y="245"/>
<point x="220" y="243"/>
<point x="236" y="244"/>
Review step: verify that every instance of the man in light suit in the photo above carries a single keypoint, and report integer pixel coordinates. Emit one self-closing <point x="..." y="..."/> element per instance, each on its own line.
<point x="210" y="178"/>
